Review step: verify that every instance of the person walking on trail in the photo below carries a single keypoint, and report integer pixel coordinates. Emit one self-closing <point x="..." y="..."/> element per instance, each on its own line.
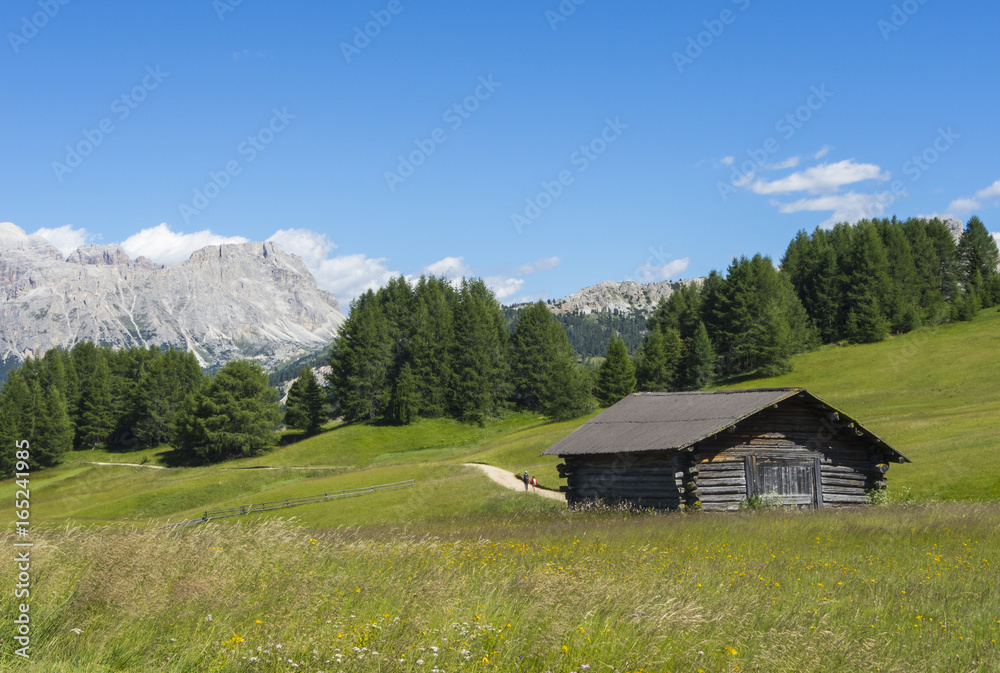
<point x="534" y="484"/>
<point x="524" y="478"/>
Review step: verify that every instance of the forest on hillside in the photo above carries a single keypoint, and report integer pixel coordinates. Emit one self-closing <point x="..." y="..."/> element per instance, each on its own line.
<point x="439" y="348"/>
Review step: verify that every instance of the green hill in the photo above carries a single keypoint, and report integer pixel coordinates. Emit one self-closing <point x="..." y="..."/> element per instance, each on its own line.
<point x="932" y="393"/>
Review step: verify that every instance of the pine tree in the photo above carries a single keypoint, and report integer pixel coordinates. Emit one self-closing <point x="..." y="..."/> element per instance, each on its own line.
<point x="405" y="399"/>
<point x="166" y="380"/>
<point x="361" y="359"/>
<point x="658" y="361"/>
<point x="234" y="415"/>
<point x="977" y="259"/>
<point x="304" y="409"/>
<point x="616" y="375"/>
<point x="57" y="433"/>
<point x="698" y="367"/>
<point x="869" y="285"/>
<point x="95" y="422"/>
<point x="928" y="272"/>
<point x="566" y="394"/>
<point x="433" y="345"/>
<point x="481" y="354"/>
<point x="537" y="344"/>
<point x="902" y="304"/>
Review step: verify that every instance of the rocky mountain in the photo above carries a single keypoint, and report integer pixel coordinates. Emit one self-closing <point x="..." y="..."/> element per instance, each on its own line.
<point x="623" y="297"/>
<point x="250" y="300"/>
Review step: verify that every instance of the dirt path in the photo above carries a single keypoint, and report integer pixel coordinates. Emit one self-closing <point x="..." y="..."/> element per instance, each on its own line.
<point x="508" y="480"/>
<point x="152" y="467"/>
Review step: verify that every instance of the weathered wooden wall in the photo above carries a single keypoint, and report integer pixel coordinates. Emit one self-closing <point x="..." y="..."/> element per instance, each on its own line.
<point x="793" y="438"/>
<point x="649" y="479"/>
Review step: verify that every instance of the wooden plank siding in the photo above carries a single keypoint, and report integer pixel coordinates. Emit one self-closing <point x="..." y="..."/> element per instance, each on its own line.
<point x="779" y="451"/>
<point x="799" y="450"/>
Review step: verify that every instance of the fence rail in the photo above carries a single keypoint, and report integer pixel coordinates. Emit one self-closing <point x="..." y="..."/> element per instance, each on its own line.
<point x="289" y="502"/>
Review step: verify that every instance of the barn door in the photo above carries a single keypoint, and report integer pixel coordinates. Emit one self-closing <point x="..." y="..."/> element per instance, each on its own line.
<point x="792" y="480"/>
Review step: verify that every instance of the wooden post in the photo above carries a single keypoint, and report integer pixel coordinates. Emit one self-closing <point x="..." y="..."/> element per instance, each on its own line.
<point x="819" y="482"/>
<point x="748" y="470"/>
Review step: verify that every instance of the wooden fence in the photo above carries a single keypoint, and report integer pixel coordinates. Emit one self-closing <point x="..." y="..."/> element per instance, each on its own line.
<point x="289" y="502"/>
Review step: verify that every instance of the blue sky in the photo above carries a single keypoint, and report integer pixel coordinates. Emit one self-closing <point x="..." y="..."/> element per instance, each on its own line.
<point x="545" y="146"/>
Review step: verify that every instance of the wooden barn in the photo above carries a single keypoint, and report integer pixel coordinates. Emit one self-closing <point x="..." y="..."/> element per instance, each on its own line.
<point x="715" y="449"/>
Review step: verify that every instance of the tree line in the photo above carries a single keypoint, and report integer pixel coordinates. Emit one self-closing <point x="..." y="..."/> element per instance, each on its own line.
<point x="93" y="397"/>
<point x="435" y="349"/>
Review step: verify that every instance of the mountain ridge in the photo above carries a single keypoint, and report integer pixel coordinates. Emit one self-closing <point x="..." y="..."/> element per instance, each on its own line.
<point x="225" y="301"/>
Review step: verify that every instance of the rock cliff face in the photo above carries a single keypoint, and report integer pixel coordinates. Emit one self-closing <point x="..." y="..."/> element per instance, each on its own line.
<point x="624" y="297"/>
<point x="250" y="300"/>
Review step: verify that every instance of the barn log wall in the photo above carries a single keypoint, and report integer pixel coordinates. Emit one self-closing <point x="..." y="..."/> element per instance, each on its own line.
<point x="793" y="433"/>
<point x="648" y="479"/>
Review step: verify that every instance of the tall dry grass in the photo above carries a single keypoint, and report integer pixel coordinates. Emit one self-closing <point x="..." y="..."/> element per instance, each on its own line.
<point x="883" y="589"/>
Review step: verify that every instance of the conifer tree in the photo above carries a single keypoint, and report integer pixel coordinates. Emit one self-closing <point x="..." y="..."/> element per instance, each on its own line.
<point x="616" y="375"/>
<point x="304" y="409"/>
<point x="481" y="354"/>
<point x="95" y="422"/>
<point x="433" y="345"/>
<point x="537" y="344"/>
<point x="361" y="359"/>
<point x="869" y="285"/>
<point x="405" y="399"/>
<point x="566" y="394"/>
<point x="658" y="361"/>
<point x="235" y="415"/>
<point x="698" y="366"/>
<point x="978" y="259"/>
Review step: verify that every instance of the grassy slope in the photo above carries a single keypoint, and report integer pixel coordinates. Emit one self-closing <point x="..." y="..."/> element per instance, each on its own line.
<point x="934" y="394"/>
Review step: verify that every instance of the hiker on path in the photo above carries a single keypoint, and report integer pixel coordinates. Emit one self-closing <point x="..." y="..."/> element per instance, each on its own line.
<point x="524" y="478"/>
<point x="534" y="484"/>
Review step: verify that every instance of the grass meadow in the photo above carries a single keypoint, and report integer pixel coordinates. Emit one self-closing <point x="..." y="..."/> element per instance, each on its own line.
<point x="904" y="588"/>
<point x="457" y="573"/>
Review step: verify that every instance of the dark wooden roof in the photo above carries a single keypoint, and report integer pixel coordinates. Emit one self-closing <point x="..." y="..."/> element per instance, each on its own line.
<point x="659" y="421"/>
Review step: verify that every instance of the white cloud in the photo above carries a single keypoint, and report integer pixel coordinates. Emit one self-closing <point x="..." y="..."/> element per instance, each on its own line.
<point x="790" y="162"/>
<point x="823" y="152"/>
<point x="728" y="161"/>
<point x="311" y="246"/>
<point x="165" y="246"/>
<point x="963" y="206"/>
<point x="849" y="207"/>
<point x="822" y="179"/>
<point x="991" y="192"/>
<point x="348" y="276"/>
<point x="651" y="273"/>
<point x="996" y="237"/>
<point x="65" y="238"/>
<point x="503" y="286"/>
<point x="966" y="205"/>
<point x="543" y="264"/>
<point x="452" y="268"/>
